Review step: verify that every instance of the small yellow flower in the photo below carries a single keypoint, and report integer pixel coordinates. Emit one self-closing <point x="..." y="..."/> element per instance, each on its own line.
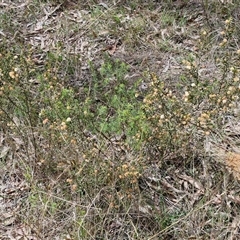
<point x="74" y="187"/>
<point x="224" y="101"/>
<point x="170" y="93"/>
<point x="63" y="126"/>
<point x="68" y="119"/>
<point x="45" y="121"/>
<point x="16" y="69"/>
<point x="235" y="97"/>
<point x="69" y="180"/>
<point x="228" y="21"/>
<point x="12" y="74"/>
<point x="212" y="95"/>
<point x="124" y="166"/>
<point x="146" y="101"/>
<point x="224" y="41"/>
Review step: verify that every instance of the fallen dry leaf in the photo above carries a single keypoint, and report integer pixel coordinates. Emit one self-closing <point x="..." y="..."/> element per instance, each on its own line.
<point x="4" y="151"/>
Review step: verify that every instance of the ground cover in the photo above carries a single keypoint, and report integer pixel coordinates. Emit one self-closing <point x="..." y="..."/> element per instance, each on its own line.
<point x="119" y="120"/>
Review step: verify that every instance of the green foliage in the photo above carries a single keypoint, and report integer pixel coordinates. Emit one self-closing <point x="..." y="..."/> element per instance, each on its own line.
<point x="117" y="109"/>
